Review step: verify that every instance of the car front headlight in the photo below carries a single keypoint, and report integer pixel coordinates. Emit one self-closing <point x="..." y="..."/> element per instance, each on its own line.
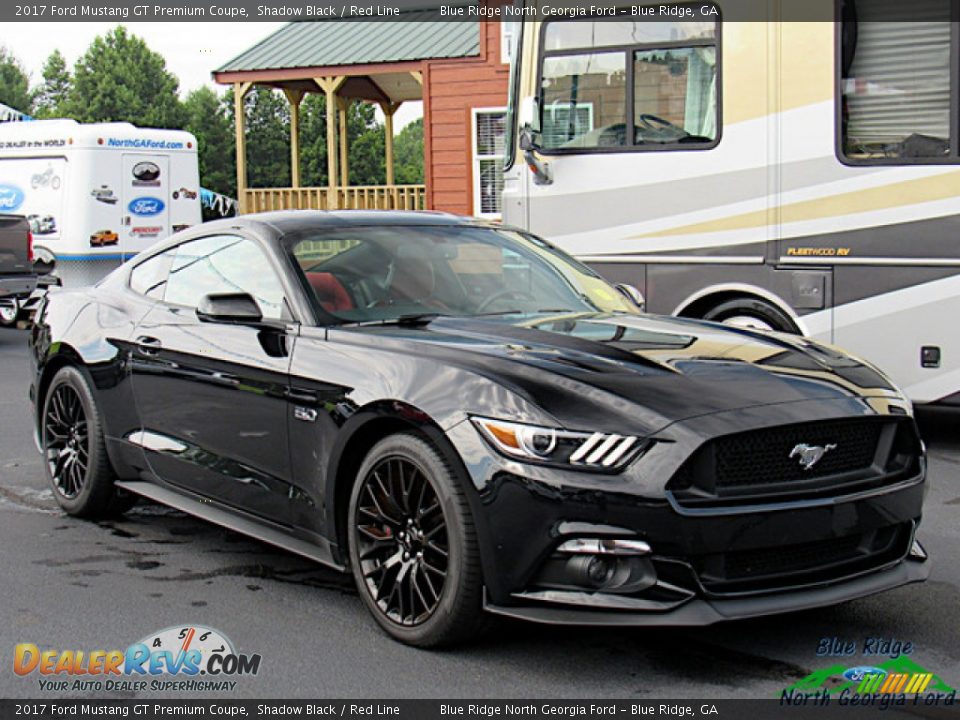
<point x="551" y="446"/>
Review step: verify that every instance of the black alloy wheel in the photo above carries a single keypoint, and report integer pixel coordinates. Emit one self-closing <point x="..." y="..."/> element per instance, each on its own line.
<point x="413" y="545"/>
<point x="402" y="539"/>
<point x="74" y="450"/>
<point x="66" y="441"/>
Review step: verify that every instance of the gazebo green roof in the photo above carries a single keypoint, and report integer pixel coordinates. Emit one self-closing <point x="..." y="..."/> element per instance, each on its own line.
<point x="359" y="42"/>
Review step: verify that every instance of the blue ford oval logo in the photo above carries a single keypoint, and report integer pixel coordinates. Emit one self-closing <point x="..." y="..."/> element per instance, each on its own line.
<point x="11" y="197"/>
<point x="146" y="206"/>
<point x="858" y="673"/>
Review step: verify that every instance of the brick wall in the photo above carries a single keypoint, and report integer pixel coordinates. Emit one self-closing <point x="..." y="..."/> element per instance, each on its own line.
<point x="451" y="89"/>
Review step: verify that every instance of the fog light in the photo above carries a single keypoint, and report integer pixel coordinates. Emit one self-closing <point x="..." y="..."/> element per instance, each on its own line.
<point x="599" y="570"/>
<point x="592" y="571"/>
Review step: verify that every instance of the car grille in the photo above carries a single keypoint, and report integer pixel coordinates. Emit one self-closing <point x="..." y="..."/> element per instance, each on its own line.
<point x="766" y="561"/>
<point x="773" y="568"/>
<point x="761" y="465"/>
<point x="751" y="458"/>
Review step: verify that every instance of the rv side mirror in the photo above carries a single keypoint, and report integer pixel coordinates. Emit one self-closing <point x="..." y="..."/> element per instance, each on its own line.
<point x="632" y="294"/>
<point x="529" y="114"/>
<point x="236" y="308"/>
<point x="539" y="167"/>
<point x="527" y="141"/>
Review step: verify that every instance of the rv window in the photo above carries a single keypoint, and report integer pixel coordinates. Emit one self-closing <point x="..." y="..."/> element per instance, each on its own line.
<point x="584" y="101"/>
<point x="632" y="85"/>
<point x="675" y="95"/>
<point x="895" y="83"/>
<point x="565" y="35"/>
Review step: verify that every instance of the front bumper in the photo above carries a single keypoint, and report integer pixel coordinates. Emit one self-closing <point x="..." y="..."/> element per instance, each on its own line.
<point x="525" y="513"/>
<point x="700" y="611"/>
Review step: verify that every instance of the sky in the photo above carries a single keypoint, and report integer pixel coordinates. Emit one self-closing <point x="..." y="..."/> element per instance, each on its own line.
<point x="192" y="49"/>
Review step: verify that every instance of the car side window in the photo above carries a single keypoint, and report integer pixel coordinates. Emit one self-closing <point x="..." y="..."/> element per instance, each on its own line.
<point x="224" y="264"/>
<point x="150" y="276"/>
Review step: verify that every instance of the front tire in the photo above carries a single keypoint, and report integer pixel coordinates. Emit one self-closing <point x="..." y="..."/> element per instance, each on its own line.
<point x="413" y="545"/>
<point x="74" y="450"/>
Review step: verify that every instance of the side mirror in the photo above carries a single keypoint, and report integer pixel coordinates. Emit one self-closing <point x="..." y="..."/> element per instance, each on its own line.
<point x="632" y="294"/>
<point x="529" y="114"/>
<point x="237" y="308"/>
<point x="539" y="168"/>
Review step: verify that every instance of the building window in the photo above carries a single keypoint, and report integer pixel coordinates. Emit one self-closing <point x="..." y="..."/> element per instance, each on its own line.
<point x="895" y="84"/>
<point x="488" y="152"/>
<point x="509" y="32"/>
<point x="630" y="85"/>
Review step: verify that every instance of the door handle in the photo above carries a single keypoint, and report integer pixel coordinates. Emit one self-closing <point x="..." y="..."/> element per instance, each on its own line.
<point x="147" y="345"/>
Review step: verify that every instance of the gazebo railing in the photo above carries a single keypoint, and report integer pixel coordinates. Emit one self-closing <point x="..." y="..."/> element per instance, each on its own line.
<point x="353" y="197"/>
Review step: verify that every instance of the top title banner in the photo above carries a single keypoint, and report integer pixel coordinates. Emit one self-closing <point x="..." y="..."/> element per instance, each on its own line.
<point x="421" y="11"/>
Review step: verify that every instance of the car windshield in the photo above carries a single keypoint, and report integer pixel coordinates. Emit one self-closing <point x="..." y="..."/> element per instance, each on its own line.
<point x="380" y="273"/>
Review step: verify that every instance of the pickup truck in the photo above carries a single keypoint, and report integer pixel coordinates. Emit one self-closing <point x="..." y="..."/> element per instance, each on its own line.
<point x="18" y="277"/>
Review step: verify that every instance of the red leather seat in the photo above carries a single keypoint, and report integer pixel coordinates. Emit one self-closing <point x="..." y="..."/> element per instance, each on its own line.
<point x="332" y="296"/>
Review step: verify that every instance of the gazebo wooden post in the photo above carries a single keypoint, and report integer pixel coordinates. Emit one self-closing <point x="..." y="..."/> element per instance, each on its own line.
<point x="239" y="92"/>
<point x="343" y="106"/>
<point x="389" y="108"/>
<point x="330" y="85"/>
<point x="294" y="97"/>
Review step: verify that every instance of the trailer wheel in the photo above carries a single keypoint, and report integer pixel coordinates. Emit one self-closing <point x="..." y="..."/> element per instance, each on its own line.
<point x="9" y="313"/>
<point x="751" y="313"/>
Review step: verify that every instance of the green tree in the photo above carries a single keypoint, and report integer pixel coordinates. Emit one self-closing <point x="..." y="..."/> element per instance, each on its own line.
<point x="365" y="147"/>
<point x="206" y="117"/>
<point x="367" y="157"/>
<point x="408" y="154"/>
<point x="50" y="97"/>
<point x="267" y="117"/>
<point x="313" y="140"/>
<point x="14" y="83"/>
<point x="364" y="143"/>
<point x="120" y="78"/>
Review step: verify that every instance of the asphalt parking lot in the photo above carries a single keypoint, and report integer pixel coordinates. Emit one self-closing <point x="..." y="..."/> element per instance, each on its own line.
<point x="71" y="584"/>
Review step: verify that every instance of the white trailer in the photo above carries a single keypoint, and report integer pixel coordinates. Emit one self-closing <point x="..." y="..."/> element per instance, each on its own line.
<point x="97" y="194"/>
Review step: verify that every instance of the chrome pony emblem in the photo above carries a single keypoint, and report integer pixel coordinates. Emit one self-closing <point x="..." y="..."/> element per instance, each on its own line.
<point x="810" y="455"/>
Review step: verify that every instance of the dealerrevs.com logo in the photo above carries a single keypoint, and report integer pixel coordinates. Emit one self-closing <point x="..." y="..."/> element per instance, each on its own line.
<point x="187" y="658"/>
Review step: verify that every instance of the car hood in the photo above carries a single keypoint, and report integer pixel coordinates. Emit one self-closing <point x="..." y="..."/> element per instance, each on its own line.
<point x="664" y="369"/>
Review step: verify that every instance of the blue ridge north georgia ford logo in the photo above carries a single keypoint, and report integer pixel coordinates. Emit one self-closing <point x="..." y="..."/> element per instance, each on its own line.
<point x="146" y="206"/>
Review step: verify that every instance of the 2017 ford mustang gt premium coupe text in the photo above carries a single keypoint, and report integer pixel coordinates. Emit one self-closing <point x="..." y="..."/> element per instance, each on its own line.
<point x="470" y="422"/>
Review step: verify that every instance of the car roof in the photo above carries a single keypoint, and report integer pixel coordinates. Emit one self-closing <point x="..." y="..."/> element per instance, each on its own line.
<point x="287" y="221"/>
<point x="284" y="222"/>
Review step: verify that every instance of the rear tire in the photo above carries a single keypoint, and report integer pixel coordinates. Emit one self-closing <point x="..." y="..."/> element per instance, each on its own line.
<point x="749" y="312"/>
<point x="74" y="451"/>
<point x="413" y="545"/>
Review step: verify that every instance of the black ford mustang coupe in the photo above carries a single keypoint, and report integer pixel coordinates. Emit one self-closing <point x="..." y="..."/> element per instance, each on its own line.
<point x="470" y="421"/>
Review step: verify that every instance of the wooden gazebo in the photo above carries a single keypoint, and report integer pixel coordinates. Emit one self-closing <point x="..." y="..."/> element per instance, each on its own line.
<point x="376" y="62"/>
